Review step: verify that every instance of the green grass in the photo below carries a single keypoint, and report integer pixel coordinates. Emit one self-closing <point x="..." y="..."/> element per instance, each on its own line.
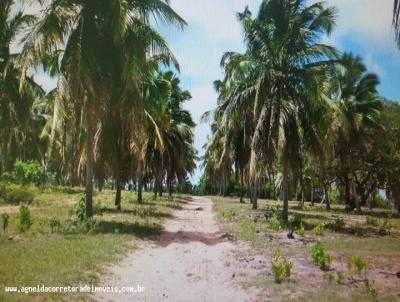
<point x="355" y="237"/>
<point x="40" y="257"/>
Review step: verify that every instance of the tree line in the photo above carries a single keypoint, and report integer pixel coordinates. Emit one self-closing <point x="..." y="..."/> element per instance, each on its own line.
<point x="117" y="111"/>
<point x="297" y="118"/>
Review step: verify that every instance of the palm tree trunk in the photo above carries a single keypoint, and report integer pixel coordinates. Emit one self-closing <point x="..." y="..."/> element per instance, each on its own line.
<point x="254" y="194"/>
<point x="118" y="194"/>
<point x="170" y="187"/>
<point x="355" y="196"/>
<point x="241" y="186"/>
<point x="139" y="182"/>
<point x="326" y="194"/>
<point x="285" y="184"/>
<point x="89" y="165"/>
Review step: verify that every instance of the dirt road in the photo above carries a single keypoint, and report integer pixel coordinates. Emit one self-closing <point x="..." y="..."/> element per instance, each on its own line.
<point x="191" y="261"/>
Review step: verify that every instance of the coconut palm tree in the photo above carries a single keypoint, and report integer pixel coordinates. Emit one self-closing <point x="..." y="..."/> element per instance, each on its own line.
<point x="18" y="122"/>
<point x="357" y="107"/>
<point x="280" y="77"/>
<point x="90" y="33"/>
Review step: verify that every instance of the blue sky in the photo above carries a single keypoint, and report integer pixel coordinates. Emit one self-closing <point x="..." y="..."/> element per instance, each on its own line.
<point x="363" y="27"/>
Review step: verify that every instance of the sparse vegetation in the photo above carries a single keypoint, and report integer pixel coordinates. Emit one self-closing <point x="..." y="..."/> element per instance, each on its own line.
<point x="320" y="257"/>
<point x="281" y="267"/>
<point x="357" y="265"/>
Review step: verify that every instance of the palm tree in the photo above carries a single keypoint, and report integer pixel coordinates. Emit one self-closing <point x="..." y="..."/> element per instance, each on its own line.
<point x="358" y="106"/>
<point x="18" y="122"/>
<point x="396" y="20"/>
<point x="90" y="32"/>
<point x="280" y="77"/>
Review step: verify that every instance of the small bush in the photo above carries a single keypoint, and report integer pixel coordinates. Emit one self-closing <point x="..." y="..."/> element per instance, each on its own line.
<point x="339" y="277"/>
<point x="30" y="172"/>
<point x="247" y="229"/>
<point x="319" y="256"/>
<point x="55" y="224"/>
<point x="359" y="265"/>
<point x="89" y="225"/>
<point x="338" y="224"/>
<point x="301" y="231"/>
<point x="24" y="219"/>
<point x="4" y="222"/>
<point x="334" y="197"/>
<point x="319" y="229"/>
<point x="370" y="289"/>
<point x="329" y="277"/>
<point x="385" y="228"/>
<point x="295" y="222"/>
<point x="275" y="223"/>
<point x="281" y="267"/>
<point x="80" y="209"/>
<point x="372" y="221"/>
<point x="15" y="194"/>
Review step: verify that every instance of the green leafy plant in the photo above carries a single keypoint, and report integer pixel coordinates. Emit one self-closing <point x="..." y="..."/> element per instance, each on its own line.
<point x="301" y="231"/>
<point x="275" y="223"/>
<point x="339" y="277"/>
<point x="80" y="209"/>
<point x="357" y="265"/>
<point x="338" y="224"/>
<point x="247" y="229"/>
<point x="320" y="257"/>
<point x="55" y="224"/>
<point x="24" y="219"/>
<point x="89" y="225"/>
<point x="370" y="288"/>
<point x="372" y="221"/>
<point x="229" y="215"/>
<point x="281" y="267"/>
<point x="329" y="277"/>
<point x="15" y="194"/>
<point x="4" y="223"/>
<point x="295" y="222"/>
<point x="30" y="172"/>
<point x="319" y="229"/>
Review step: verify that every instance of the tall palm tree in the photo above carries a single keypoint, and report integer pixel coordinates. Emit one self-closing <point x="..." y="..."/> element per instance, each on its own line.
<point x="358" y="106"/>
<point x="18" y="122"/>
<point x="281" y="76"/>
<point x="90" y="33"/>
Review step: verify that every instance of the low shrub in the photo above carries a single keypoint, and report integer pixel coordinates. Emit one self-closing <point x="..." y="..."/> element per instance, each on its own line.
<point x="281" y="267"/>
<point x="5" y="218"/>
<point x="30" y="172"/>
<point x="319" y="229"/>
<point x="372" y="221"/>
<point x="357" y="265"/>
<point x="15" y="194"/>
<point x="301" y="231"/>
<point x="24" y="220"/>
<point x="55" y="224"/>
<point x="320" y="257"/>
<point x="339" y="277"/>
<point x="295" y="222"/>
<point x="80" y="209"/>
<point x="338" y="224"/>
<point x="275" y="223"/>
<point x="247" y="229"/>
<point x="334" y="197"/>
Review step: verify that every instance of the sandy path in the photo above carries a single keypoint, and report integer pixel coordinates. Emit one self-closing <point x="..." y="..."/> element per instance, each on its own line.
<point x="191" y="261"/>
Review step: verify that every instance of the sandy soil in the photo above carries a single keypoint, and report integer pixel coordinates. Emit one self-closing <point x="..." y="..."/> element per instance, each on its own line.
<point x="190" y="261"/>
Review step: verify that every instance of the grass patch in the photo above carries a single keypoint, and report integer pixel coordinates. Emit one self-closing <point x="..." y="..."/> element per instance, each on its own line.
<point x="55" y="251"/>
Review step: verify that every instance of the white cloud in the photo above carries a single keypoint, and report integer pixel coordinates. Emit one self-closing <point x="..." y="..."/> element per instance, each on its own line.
<point x="366" y="21"/>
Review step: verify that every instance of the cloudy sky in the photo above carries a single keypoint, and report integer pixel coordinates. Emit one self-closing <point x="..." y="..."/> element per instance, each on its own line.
<point x="363" y="27"/>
